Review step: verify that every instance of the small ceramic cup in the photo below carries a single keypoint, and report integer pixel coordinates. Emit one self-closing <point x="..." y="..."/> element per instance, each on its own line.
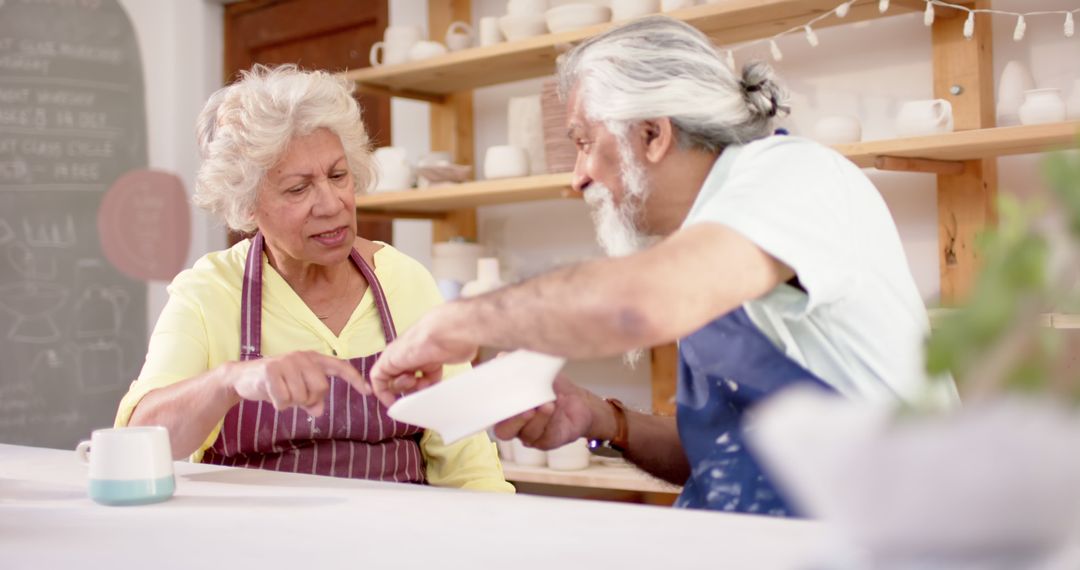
<point x="129" y="465"/>
<point x="528" y="456"/>
<point x="570" y="457"/>
<point x="490" y="34"/>
<point x="505" y="161"/>
<point x="838" y="129"/>
<point x="426" y="49"/>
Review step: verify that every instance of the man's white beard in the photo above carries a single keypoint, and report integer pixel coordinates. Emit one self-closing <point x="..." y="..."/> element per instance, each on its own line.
<point x="617" y="226"/>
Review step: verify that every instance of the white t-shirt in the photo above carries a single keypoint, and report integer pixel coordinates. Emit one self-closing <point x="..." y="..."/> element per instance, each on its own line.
<point x="861" y="324"/>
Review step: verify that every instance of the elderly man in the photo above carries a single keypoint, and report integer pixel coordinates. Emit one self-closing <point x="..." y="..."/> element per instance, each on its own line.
<point x="772" y="260"/>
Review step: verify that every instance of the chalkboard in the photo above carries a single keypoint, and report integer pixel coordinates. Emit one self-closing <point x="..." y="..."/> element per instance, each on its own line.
<point x="72" y="121"/>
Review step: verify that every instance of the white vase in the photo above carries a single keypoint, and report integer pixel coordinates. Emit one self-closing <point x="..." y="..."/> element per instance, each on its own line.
<point x="1014" y="81"/>
<point x="525" y="129"/>
<point x="1042" y="106"/>
<point x="1073" y="108"/>
<point x="487" y="278"/>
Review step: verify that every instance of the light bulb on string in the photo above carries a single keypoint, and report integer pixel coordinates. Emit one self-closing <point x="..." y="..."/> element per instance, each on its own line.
<point x="1021" y="26"/>
<point x="775" y="49"/>
<point x="1070" y="28"/>
<point x="928" y="15"/>
<point x="811" y="37"/>
<point x="883" y="6"/>
<point x="842" y="9"/>
<point x="969" y="25"/>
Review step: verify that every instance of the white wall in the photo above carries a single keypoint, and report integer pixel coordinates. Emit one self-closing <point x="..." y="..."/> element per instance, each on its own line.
<point x="181" y="43"/>
<point x="866" y="69"/>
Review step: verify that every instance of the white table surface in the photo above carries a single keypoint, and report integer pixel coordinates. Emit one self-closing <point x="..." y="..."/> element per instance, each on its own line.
<point x="240" y="518"/>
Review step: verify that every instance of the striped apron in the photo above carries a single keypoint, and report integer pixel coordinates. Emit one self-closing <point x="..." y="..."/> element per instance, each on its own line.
<point x="353" y="438"/>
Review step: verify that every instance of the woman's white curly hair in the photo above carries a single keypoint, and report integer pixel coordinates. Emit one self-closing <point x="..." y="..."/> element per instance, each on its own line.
<point x="245" y="128"/>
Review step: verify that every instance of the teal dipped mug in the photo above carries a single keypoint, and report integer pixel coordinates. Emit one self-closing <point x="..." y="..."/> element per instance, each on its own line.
<point x="129" y="465"/>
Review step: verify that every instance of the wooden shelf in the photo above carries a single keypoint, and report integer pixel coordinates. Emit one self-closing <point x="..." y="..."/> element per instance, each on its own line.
<point x="597" y="476"/>
<point x="967" y="145"/>
<point x="1060" y="321"/>
<point x="467" y="195"/>
<point x="727" y="22"/>
<point x="964" y="145"/>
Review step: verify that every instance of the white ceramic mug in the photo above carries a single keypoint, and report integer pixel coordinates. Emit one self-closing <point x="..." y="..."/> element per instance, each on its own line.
<point x="570" y="457"/>
<point x="526" y="7"/>
<point x="627" y="9"/>
<point x="459" y="36"/>
<point x="403" y="34"/>
<point x="395" y="172"/>
<point x="384" y="53"/>
<point x="669" y="5"/>
<point x="838" y="129"/>
<point x="489" y="31"/>
<point x="924" y="117"/>
<point x="129" y="465"/>
<point x="505" y="161"/>
<point x="426" y="49"/>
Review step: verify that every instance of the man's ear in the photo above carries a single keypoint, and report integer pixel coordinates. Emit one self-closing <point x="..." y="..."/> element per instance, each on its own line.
<point x="658" y="136"/>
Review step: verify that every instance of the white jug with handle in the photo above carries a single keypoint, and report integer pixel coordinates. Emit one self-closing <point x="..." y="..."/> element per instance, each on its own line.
<point x="924" y="117"/>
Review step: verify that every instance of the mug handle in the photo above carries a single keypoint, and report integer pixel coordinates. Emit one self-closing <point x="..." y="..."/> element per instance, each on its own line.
<point x="459" y="25"/>
<point x="943" y="109"/>
<point x="375" y="49"/>
<point x="83" y="450"/>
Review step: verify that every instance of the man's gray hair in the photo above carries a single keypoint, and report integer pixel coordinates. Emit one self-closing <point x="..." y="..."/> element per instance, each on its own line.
<point x="660" y="67"/>
<point x="246" y="127"/>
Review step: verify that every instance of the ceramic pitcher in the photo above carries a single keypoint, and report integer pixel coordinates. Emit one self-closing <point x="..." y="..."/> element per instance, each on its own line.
<point x="924" y="117"/>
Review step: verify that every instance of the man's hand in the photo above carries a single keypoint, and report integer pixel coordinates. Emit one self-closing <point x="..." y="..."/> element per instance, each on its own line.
<point x="575" y="413"/>
<point x="415" y="360"/>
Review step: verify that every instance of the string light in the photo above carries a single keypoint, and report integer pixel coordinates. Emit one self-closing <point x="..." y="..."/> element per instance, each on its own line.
<point x="969" y="25"/>
<point x="842" y="9"/>
<point x="776" y="53"/>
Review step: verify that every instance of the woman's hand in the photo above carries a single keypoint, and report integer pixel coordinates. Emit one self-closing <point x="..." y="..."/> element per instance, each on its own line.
<point x="293" y="379"/>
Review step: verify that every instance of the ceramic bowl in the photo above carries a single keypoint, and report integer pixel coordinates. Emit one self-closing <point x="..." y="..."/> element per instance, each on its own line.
<point x="472" y="401"/>
<point x="569" y="17"/>
<point x="523" y="26"/>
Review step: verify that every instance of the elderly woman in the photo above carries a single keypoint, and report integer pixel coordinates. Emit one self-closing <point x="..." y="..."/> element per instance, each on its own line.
<point x="254" y="359"/>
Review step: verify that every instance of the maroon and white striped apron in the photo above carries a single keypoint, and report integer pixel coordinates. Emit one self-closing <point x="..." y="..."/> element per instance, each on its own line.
<point x="353" y="438"/>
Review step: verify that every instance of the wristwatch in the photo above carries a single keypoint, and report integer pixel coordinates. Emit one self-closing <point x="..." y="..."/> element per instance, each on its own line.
<point x="616" y="446"/>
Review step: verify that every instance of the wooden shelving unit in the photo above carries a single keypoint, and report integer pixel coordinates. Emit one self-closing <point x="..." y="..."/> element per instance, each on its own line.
<point x="963" y="160"/>
<point x="956" y="147"/>
<point x="726" y="23"/>
<point x="621" y="477"/>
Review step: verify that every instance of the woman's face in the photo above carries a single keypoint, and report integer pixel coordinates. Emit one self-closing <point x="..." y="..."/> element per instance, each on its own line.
<point x="306" y="207"/>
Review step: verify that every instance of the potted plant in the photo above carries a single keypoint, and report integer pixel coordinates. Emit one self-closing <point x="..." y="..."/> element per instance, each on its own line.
<point x="994" y="483"/>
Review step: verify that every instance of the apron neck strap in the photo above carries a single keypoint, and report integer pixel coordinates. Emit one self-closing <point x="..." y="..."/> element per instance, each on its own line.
<point x="251" y="300"/>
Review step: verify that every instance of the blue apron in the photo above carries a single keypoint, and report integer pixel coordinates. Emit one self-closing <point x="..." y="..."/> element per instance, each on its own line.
<point x="724" y="369"/>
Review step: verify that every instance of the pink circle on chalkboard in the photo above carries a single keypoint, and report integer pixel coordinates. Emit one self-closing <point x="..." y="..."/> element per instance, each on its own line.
<point x="144" y="224"/>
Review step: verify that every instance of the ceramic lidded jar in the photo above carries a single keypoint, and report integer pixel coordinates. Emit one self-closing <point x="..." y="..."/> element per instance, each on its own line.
<point x="1042" y="106"/>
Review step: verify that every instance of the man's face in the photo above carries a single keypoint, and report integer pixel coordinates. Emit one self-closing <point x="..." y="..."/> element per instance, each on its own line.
<point x="612" y="179"/>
